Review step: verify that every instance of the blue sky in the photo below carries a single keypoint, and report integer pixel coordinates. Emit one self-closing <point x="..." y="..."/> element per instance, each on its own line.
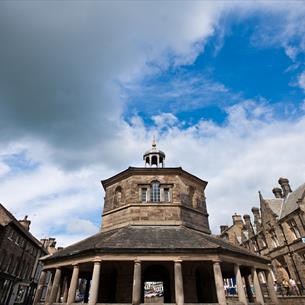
<point x="84" y="86"/>
<point x="236" y="63"/>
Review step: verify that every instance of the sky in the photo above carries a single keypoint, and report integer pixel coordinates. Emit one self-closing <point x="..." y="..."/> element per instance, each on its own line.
<point x="84" y="86"/>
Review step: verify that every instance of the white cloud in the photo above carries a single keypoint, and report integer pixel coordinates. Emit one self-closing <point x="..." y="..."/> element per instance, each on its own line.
<point x="60" y="103"/>
<point x="82" y="226"/>
<point x="248" y="153"/>
<point x="302" y="80"/>
<point x="4" y="169"/>
<point x="165" y="120"/>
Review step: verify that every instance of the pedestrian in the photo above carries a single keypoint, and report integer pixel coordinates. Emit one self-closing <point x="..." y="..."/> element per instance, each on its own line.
<point x="286" y="286"/>
<point x="294" y="287"/>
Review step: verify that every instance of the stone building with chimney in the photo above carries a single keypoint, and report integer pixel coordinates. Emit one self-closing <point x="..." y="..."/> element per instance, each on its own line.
<point x="278" y="232"/>
<point x="155" y="229"/>
<point x="19" y="260"/>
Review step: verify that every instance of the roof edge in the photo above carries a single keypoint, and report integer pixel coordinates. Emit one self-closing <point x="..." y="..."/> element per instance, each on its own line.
<point x="147" y="171"/>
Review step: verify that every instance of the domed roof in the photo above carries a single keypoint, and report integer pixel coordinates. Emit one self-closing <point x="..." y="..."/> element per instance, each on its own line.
<point x="154" y="152"/>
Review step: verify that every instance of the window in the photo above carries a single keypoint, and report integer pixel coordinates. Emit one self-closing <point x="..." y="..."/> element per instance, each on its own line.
<point x="10" y="233"/>
<point x="262" y="240"/>
<point x="143" y="194"/>
<point x="166" y="195"/>
<point x="155" y="192"/>
<point x="254" y="245"/>
<point x="274" y="238"/>
<point x="21" y="242"/>
<point x="117" y="197"/>
<point x="294" y="228"/>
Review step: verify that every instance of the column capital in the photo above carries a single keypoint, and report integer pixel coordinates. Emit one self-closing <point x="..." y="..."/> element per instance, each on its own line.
<point x="178" y="261"/>
<point x="216" y="261"/>
<point x="97" y="261"/>
<point x="75" y="265"/>
<point x="137" y="261"/>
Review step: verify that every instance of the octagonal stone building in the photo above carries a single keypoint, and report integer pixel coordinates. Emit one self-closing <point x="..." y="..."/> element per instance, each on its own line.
<point x="155" y="234"/>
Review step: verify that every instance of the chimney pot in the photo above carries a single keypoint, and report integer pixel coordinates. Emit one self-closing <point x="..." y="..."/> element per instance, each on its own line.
<point x="237" y="218"/>
<point x="25" y="223"/>
<point x="284" y="183"/>
<point x="278" y="193"/>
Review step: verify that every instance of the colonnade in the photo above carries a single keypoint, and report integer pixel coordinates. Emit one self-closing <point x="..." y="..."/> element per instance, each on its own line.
<point x="70" y="287"/>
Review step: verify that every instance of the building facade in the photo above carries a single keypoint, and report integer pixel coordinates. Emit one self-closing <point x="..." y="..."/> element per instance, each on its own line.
<point x="155" y="229"/>
<point x="277" y="231"/>
<point x="19" y="260"/>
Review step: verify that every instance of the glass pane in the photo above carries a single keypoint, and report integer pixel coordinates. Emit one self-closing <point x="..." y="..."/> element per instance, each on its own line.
<point x="166" y="195"/>
<point x="155" y="192"/>
<point x="143" y="194"/>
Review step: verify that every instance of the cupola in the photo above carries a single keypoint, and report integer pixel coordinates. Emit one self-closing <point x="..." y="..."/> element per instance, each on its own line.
<point x="154" y="157"/>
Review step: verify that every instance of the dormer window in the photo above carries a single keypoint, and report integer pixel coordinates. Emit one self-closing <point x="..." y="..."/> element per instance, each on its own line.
<point x="155" y="192"/>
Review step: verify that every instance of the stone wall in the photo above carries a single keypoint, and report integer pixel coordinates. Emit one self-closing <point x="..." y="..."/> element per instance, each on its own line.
<point x="123" y="205"/>
<point x="292" y="300"/>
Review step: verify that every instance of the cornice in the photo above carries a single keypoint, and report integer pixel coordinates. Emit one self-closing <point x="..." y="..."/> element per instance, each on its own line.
<point x="130" y="171"/>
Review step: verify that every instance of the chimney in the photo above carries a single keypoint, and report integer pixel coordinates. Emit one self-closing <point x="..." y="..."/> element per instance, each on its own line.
<point x="257" y="218"/>
<point x="237" y="219"/>
<point x="223" y="228"/>
<point x="49" y="244"/>
<point x="248" y="224"/>
<point x="277" y="192"/>
<point x="25" y="223"/>
<point x="284" y="183"/>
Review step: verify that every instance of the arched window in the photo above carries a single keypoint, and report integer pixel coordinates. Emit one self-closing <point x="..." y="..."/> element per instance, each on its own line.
<point x="117" y="197"/>
<point x="155" y="191"/>
<point x="154" y="160"/>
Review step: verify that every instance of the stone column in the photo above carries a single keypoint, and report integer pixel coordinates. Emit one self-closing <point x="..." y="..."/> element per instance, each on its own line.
<point x="55" y="286"/>
<point x="136" y="288"/>
<point x="248" y="288"/>
<point x="58" y="294"/>
<point x="179" y="293"/>
<point x="73" y="285"/>
<point x="240" y="286"/>
<point x="270" y="285"/>
<point x="41" y="283"/>
<point x="93" y="294"/>
<point x="257" y="287"/>
<point x="219" y="284"/>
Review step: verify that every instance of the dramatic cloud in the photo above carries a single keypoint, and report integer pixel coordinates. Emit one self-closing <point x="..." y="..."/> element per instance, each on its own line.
<point x="75" y="77"/>
<point x="60" y="62"/>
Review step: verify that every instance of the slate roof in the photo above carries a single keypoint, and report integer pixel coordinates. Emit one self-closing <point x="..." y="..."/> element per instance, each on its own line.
<point x="291" y="202"/>
<point x="152" y="239"/>
<point x="275" y="205"/>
